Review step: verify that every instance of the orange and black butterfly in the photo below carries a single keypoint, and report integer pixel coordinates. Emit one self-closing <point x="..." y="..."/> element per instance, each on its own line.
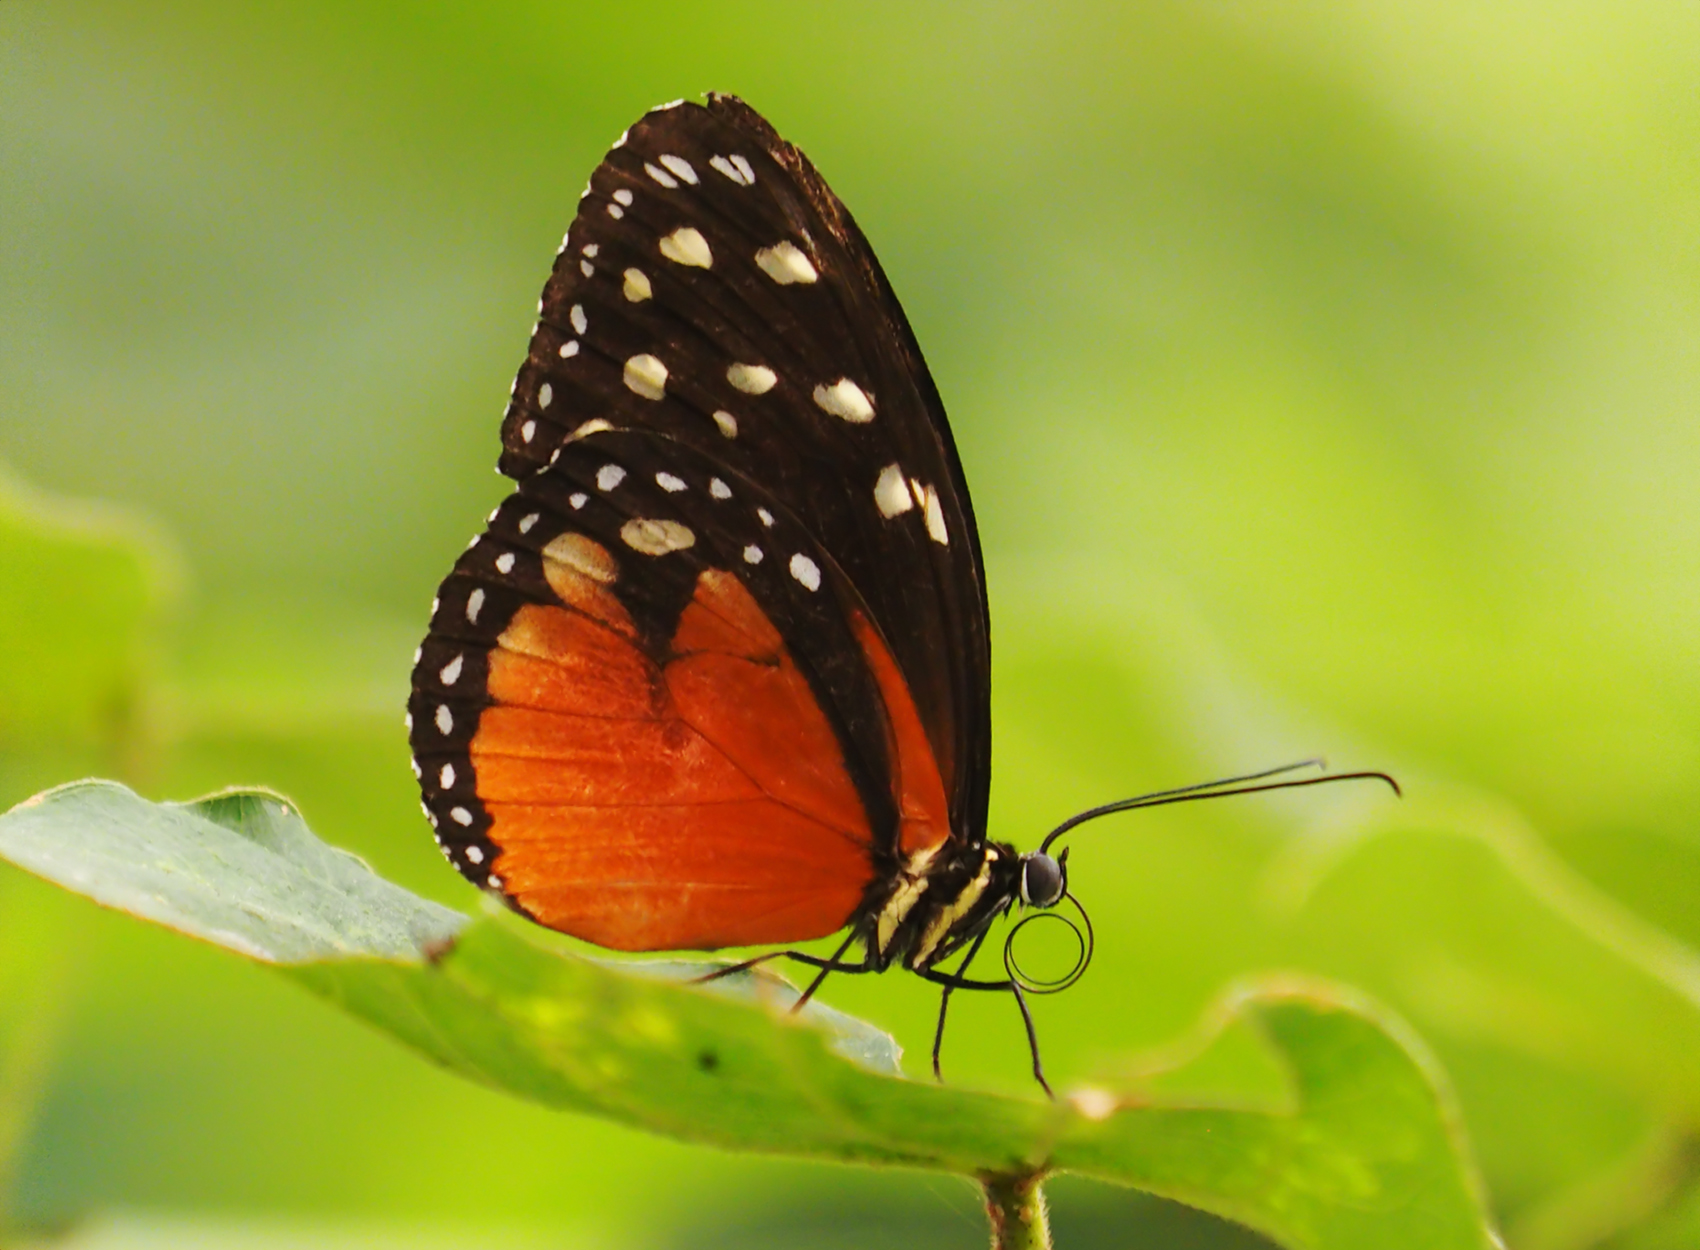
<point x="717" y="672"/>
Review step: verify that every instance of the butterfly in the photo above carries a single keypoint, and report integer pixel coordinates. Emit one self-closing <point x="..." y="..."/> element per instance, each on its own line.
<point x="717" y="673"/>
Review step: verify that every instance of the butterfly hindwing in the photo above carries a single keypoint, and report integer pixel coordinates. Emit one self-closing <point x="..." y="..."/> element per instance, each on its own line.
<point x="714" y="291"/>
<point x="654" y="713"/>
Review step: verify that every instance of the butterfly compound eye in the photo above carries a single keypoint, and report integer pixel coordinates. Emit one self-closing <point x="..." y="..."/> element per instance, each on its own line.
<point x="1041" y="880"/>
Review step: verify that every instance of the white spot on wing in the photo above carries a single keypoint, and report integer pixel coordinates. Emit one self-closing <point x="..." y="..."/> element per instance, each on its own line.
<point x="935" y="519"/>
<point x="623" y="196"/>
<point x="475" y="855"/>
<point x="719" y="489"/>
<point x="891" y="493"/>
<point x="752" y="379"/>
<point x="766" y="517"/>
<point x="609" y="476"/>
<point x="451" y="671"/>
<point x="445" y="719"/>
<point x="656" y="538"/>
<point x="752" y="554"/>
<point x="646" y="376"/>
<point x="582" y="555"/>
<point x="785" y="264"/>
<point x="679" y="166"/>
<point x="581" y="323"/>
<point x="590" y="249"/>
<point x="545" y="395"/>
<point x="660" y="175"/>
<point x="528" y="520"/>
<point x="616" y="212"/>
<point x="686" y="246"/>
<point x="739" y="173"/>
<point x="637" y="288"/>
<point x="593" y="426"/>
<point x="505" y="562"/>
<point x="446" y="778"/>
<point x="845" y="399"/>
<point x="460" y="816"/>
<point x="577" y="500"/>
<point x="669" y="483"/>
<point x="727" y="422"/>
<point x="805" y="571"/>
<point x="569" y="348"/>
<point x="528" y="431"/>
<point x="474" y="604"/>
<point x="586" y="268"/>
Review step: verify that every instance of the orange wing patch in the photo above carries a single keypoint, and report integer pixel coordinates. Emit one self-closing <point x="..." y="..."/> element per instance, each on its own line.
<point x="924" y="811"/>
<point x="737" y="685"/>
<point x="698" y="877"/>
<point x="560" y="661"/>
<point x="692" y="806"/>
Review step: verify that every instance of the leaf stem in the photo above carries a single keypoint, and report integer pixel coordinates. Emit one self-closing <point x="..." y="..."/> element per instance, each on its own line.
<point x="1016" y="1206"/>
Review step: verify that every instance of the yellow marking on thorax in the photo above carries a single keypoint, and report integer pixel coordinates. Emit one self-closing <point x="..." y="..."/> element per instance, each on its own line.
<point x="950" y="915"/>
<point x="907" y="895"/>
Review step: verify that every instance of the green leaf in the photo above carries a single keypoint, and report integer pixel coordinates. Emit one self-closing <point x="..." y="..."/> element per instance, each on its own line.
<point x="1366" y="1153"/>
<point x="82" y="586"/>
<point x="1461" y="916"/>
<point x="239" y="869"/>
<point x="1568" y="1023"/>
<point x="32" y="1008"/>
<point x="1363" y="1149"/>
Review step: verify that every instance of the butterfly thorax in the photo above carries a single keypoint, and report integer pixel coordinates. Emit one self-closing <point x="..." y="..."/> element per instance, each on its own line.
<point x="941" y="898"/>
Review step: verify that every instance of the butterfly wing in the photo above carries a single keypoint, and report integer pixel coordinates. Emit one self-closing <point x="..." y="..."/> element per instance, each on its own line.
<point x="657" y="743"/>
<point x="654" y="713"/>
<point x="705" y="242"/>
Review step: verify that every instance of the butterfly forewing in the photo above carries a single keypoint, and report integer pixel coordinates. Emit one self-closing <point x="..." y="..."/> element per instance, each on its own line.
<point x="713" y="290"/>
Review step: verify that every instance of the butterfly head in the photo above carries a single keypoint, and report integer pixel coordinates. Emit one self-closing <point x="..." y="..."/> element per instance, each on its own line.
<point x="1044" y="884"/>
<point x="1044" y="880"/>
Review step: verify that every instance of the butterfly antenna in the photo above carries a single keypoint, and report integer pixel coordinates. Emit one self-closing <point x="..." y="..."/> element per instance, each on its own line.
<point x="1217" y="790"/>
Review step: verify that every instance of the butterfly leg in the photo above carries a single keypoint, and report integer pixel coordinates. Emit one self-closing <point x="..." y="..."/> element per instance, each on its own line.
<point x="1032" y="1040"/>
<point x="814" y="961"/>
<point x="956" y="981"/>
<point x="944" y="1005"/>
<point x="820" y="976"/>
<point x="835" y="964"/>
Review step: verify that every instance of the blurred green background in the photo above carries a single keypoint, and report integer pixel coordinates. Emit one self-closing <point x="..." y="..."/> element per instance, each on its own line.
<point x="1325" y="377"/>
